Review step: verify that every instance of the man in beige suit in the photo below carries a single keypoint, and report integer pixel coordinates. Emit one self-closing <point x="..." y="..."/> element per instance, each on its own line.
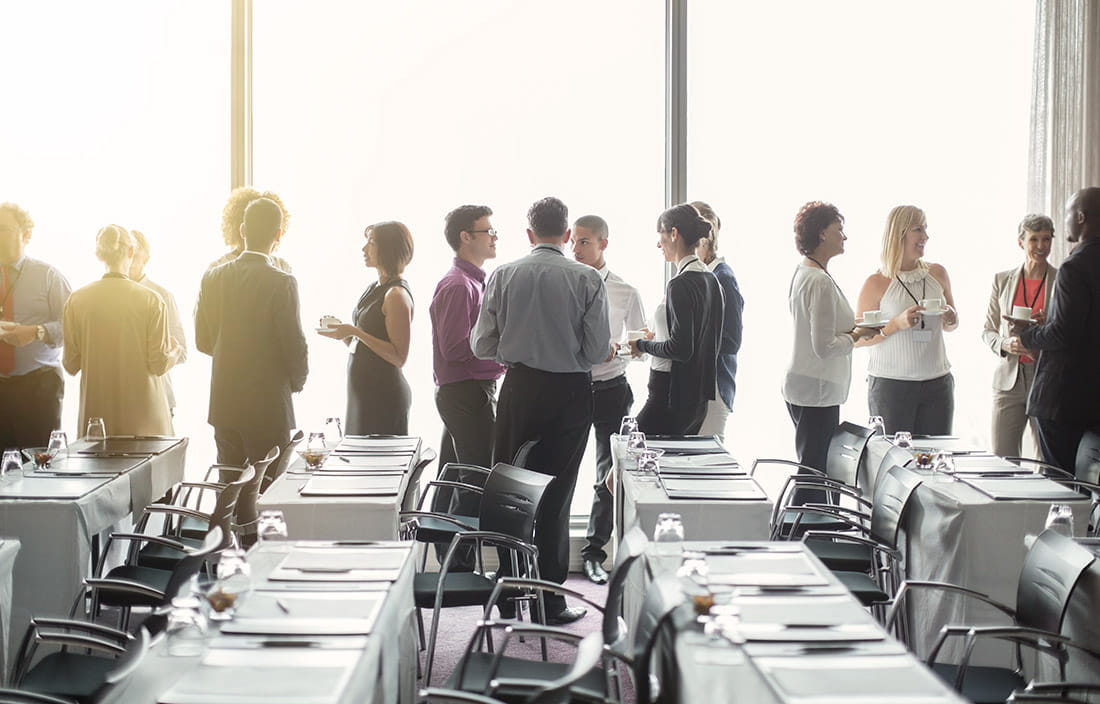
<point x="1028" y="285"/>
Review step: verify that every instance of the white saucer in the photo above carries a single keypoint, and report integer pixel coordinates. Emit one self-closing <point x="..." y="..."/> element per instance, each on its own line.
<point x="872" y="326"/>
<point x="1029" y="321"/>
<point x="934" y="313"/>
<point x="325" y="329"/>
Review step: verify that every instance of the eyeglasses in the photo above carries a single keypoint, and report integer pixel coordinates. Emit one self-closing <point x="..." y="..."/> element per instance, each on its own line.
<point x="490" y="232"/>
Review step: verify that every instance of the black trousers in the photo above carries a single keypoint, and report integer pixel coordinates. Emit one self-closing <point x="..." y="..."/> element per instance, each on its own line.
<point x="30" y="408"/>
<point x="238" y="447"/>
<point x="813" y="429"/>
<point x="921" y="407"/>
<point x="556" y="410"/>
<point x="1058" y="441"/>
<point x="611" y="400"/>
<point x="468" y="411"/>
<point x="658" y="418"/>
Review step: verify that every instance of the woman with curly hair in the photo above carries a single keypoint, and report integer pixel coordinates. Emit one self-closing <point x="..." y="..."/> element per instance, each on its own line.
<point x="825" y="332"/>
<point x="233" y="218"/>
<point x="909" y="379"/>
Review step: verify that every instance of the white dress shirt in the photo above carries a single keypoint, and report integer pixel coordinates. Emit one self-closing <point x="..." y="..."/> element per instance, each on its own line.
<point x="625" y="312"/>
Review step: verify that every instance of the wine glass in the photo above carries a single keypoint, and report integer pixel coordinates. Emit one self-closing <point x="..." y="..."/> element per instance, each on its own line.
<point x="271" y="525"/>
<point x="96" y="430"/>
<point x="59" y="442"/>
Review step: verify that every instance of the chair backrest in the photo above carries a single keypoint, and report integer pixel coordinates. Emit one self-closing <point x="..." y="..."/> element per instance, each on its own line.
<point x="225" y="505"/>
<point x="588" y="655"/>
<point x="1052" y="568"/>
<point x="662" y="597"/>
<point x="277" y="468"/>
<point x="245" y="512"/>
<point x="892" y="493"/>
<point x="630" y="549"/>
<point x="15" y="696"/>
<point x="189" y="566"/>
<point x="523" y="454"/>
<point x="511" y="501"/>
<point x="1087" y="466"/>
<point x="412" y="481"/>
<point x="846" y="449"/>
<point x="441" y="497"/>
<point x="132" y="658"/>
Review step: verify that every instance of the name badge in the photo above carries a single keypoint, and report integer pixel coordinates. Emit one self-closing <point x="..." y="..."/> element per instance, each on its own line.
<point x="922" y="336"/>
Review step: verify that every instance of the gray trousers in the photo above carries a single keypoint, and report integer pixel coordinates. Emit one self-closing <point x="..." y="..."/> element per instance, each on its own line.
<point x="921" y="407"/>
<point x="1010" y="415"/>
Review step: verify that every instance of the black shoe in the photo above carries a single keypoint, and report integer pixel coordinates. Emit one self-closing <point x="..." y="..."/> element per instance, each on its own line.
<point x="594" y="571"/>
<point x="566" y="615"/>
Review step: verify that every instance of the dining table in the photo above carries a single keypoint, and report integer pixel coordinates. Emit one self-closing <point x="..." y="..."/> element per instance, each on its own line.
<point x="9" y="548"/>
<point x="59" y="512"/>
<point x="356" y="493"/>
<point x="782" y="630"/>
<point x="324" y="622"/>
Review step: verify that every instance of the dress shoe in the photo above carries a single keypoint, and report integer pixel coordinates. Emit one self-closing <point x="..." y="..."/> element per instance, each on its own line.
<point x="566" y="615"/>
<point x="595" y="571"/>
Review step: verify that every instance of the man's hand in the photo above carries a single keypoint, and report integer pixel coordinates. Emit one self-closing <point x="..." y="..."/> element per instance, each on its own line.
<point x="19" y="335"/>
<point x="614" y="351"/>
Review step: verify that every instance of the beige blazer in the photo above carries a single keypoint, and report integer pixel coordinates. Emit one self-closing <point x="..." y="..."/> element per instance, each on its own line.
<point x="996" y="331"/>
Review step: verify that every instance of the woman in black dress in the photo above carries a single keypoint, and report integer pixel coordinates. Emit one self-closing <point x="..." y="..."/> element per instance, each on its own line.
<point x="378" y="395"/>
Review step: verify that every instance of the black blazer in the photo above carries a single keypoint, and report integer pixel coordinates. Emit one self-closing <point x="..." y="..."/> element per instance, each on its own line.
<point x="1067" y="375"/>
<point x="247" y="320"/>
<point x="694" y="308"/>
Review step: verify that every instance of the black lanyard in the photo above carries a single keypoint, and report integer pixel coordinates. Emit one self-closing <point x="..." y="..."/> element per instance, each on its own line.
<point x="824" y="271"/>
<point x="11" y="287"/>
<point x="923" y="294"/>
<point x="1023" y="285"/>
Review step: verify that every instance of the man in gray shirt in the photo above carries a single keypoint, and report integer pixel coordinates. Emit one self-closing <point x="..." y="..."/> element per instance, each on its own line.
<point x="545" y="317"/>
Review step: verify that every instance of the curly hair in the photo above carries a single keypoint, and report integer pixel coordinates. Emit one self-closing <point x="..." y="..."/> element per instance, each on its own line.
<point x="22" y="217"/>
<point x="813" y="219"/>
<point x="688" y="222"/>
<point x="233" y="214"/>
<point x="548" y="218"/>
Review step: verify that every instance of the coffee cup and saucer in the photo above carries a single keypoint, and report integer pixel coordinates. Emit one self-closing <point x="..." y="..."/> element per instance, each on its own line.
<point x="872" y="319"/>
<point x="1020" y="314"/>
<point x="932" y="307"/>
<point x="328" y="323"/>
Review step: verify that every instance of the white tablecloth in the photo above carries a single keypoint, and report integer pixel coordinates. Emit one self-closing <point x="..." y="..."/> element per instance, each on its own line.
<point x="9" y="548"/>
<point x="383" y="668"/>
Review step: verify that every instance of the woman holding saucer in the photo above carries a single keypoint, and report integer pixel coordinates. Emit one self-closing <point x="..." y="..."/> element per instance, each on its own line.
<point x="909" y="378"/>
<point x="1026" y="286"/>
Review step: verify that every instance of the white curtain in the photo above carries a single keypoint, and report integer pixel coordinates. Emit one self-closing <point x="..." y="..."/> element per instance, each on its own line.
<point x="1065" y="107"/>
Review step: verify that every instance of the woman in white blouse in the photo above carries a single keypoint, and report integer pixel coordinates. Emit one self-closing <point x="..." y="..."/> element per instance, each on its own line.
<point x="825" y="332"/>
<point x="909" y="378"/>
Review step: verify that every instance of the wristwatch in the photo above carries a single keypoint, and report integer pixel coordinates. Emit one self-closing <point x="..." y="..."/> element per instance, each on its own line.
<point x="40" y="332"/>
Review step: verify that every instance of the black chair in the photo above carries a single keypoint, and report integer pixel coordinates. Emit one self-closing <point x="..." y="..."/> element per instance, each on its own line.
<point x="439" y="695"/>
<point x="16" y="696"/>
<point x="651" y="662"/>
<point x="522" y="457"/>
<point x="411" y="495"/>
<point x="509" y="506"/>
<point x="478" y="667"/>
<point x="1087" y="465"/>
<point x="1056" y="692"/>
<point x="278" y="468"/>
<point x="1051" y="571"/>
<point x="129" y="586"/>
<point x="846" y="450"/>
<point x="245" y="513"/>
<point x="789" y="523"/>
<point x="89" y="658"/>
<point x="440" y="523"/>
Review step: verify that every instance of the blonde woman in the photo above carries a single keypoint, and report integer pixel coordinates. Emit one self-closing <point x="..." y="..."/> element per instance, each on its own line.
<point x="142" y="251"/>
<point x="909" y="378"/>
<point x="116" y="338"/>
<point x="233" y="218"/>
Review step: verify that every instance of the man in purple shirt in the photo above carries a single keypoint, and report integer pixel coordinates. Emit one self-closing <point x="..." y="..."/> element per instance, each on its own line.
<point x="466" y="393"/>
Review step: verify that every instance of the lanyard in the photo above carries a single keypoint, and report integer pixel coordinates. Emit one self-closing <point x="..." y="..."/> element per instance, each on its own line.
<point x="1023" y="285"/>
<point x="10" y="287"/>
<point x="923" y="294"/>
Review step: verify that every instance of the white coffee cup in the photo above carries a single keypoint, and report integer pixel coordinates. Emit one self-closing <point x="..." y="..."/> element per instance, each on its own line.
<point x="932" y="305"/>
<point x="327" y="321"/>
<point x="1021" y="312"/>
<point x="872" y="317"/>
<point x="634" y="335"/>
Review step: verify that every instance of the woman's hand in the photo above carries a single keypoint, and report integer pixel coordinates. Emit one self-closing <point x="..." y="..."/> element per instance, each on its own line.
<point x="341" y="331"/>
<point x="908" y="317"/>
<point x="950" y="316"/>
<point x="862" y="333"/>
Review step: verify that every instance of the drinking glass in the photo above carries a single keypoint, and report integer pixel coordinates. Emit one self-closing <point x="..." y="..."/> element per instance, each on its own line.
<point x="271" y="525"/>
<point x="944" y="463"/>
<point x="233" y="582"/>
<point x="186" y="629"/>
<point x="877" y="425"/>
<point x="648" y="460"/>
<point x="12" y="462"/>
<point x="635" y="442"/>
<point x="96" y="430"/>
<point x="669" y="534"/>
<point x="903" y="438"/>
<point x="628" y="426"/>
<point x="334" y="429"/>
<point x="316" y="442"/>
<point x="1060" y="519"/>
<point x="59" y="442"/>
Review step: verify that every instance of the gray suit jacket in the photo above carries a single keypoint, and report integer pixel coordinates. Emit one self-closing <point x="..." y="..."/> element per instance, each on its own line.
<point x="996" y="329"/>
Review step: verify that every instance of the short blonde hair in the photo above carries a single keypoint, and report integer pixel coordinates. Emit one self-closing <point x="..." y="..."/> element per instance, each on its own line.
<point x="140" y="241"/>
<point x="233" y="214"/>
<point x="22" y="217"/>
<point x="898" y="222"/>
<point x="113" y="243"/>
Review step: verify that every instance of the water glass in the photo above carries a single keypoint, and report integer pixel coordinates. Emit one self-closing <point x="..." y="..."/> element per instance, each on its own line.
<point x="903" y="438"/>
<point x="693" y="566"/>
<point x="96" y="430"/>
<point x="234" y="580"/>
<point x="59" y="443"/>
<point x="635" y="442"/>
<point x="187" y="627"/>
<point x="943" y="462"/>
<point x="316" y="442"/>
<point x="334" y="429"/>
<point x="271" y="525"/>
<point x="1060" y="519"/>
<point x="669" y="534"/>
<point x="877" y="425"/>
<point x="12" y="462"/>
<point x="628" y="426"/>
<point x="648" y="460"/>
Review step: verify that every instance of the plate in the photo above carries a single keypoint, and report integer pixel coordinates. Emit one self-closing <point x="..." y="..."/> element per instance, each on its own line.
<point x="934" y="313"/>
<point x="872" y="326"/>
<point x="325" y="329"/>
<point x="1026" y="321"/>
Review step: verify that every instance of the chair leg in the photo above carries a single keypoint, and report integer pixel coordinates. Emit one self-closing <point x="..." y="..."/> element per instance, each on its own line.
<point x="420" y="629"/>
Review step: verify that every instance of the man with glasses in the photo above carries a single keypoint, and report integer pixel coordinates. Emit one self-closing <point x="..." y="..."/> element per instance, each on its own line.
<point x="545" y="317"/>
<point x="611" y="394"/>
<point x="32" y="297"/>
<point x="466" y="386"/>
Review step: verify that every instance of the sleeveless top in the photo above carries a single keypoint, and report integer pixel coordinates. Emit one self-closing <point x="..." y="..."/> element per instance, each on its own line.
<point x="903" y="356"/>
<point x="368" y="315"/>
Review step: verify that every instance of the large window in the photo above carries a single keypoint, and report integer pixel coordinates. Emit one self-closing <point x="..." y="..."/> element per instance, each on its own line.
<point x="380" y="111"/>
<point x="867" y="105"/>
<point x="119" y="113"/>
